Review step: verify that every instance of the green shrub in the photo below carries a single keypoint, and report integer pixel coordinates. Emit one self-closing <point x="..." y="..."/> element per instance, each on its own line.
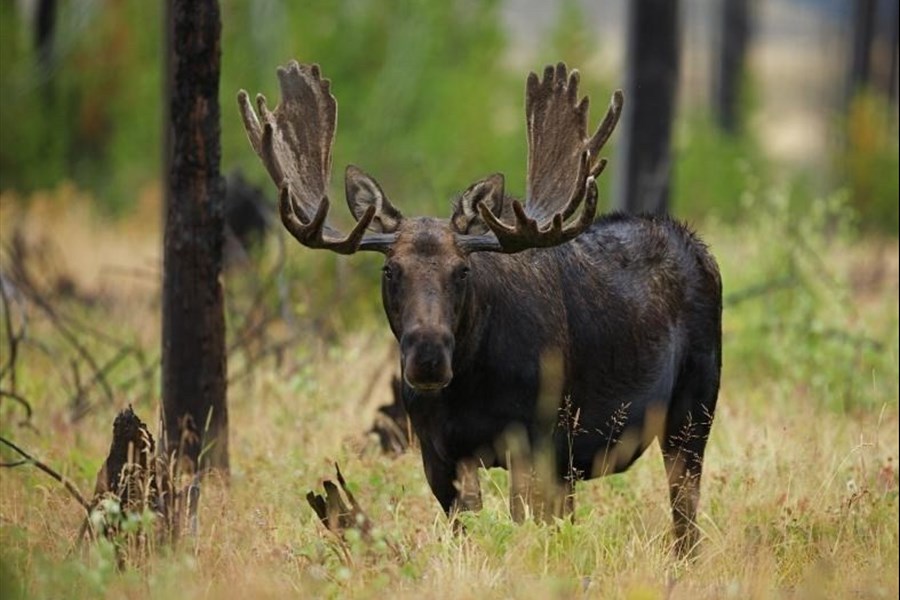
<point x="868" y="162"/>
<point x="792" y="322"/>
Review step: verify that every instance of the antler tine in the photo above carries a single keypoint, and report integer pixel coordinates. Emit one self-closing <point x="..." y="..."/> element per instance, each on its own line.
<point x="251" y="122"/>
<point x="294" y="143"/>
<point x="605" y="129"/>
<point x="310" y="233"/>
<point x="527" y="233"/>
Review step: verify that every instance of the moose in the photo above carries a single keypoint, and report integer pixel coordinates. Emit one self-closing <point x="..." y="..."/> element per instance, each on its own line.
<point x="506" y="303"/>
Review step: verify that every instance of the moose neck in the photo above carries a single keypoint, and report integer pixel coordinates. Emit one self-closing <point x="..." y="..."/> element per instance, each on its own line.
<point x="475" y="315"/>
<point x="495" y="294"/>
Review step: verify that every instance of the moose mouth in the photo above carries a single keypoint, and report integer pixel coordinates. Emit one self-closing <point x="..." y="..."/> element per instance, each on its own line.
<point x="426" y="387"/>
<point x="428" y="378"/>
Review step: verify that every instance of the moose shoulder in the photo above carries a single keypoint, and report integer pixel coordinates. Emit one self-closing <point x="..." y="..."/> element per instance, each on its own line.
<point x="506" y="304"/>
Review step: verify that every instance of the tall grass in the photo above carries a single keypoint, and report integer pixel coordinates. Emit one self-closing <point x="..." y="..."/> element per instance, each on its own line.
<point x="800" y="491"/>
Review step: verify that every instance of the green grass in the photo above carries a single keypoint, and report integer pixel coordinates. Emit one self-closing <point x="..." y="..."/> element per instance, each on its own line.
<point x="800" y="491"/>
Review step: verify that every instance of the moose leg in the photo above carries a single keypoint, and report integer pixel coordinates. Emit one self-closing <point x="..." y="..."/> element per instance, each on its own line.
<point x="534" y="486"/>
<point x="521" y="487"/>
<point x="455" y="485"/>
<point x="683" y="444"/>
<point x="441" y="476"/>
<point x="467" y="485"/>
<point x="683" y="467"/>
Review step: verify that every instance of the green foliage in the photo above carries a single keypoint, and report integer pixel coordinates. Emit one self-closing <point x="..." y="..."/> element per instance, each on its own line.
<point x="417" y="92"/>
<point x="421" y="91"/>
<point x="12" y="564"/>
<point x="869" y="162"/>
<point x="572" y="39"/>
<point x="713" y="169"/>
<point x="795" y="324"/>
<point x="95" y="115"/>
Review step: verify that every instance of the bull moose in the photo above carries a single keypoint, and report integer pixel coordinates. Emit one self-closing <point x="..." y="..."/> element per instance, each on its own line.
<point x="619" y="317"/>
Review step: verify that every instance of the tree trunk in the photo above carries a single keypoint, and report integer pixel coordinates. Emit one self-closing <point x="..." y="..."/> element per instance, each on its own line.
<point x="193" y="330"/>
<point x="863" y="34"/>
<point x="44" y="33"/>
<point x="651" y="83"/>
<point x="728" y="62"/>
<point x="890" y="79"/>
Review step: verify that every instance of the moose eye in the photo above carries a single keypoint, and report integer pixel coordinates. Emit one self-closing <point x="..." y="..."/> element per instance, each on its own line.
<point x="462" y="273"/>
<point x="388" y="272"/>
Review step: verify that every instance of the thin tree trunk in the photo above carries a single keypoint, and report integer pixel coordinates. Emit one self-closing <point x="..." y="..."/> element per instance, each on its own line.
<point x="193" y="354"/>
<point x="892" y="74"/>
<point x="44" y="35"/>
<point x="728" y="68"/>
<point x="651" y="84"/>
<point x="863" y="34"/>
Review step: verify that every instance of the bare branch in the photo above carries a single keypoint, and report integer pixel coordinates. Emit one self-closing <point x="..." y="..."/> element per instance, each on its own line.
<point x="70" y="487"/>
<point x="22" y="402"/>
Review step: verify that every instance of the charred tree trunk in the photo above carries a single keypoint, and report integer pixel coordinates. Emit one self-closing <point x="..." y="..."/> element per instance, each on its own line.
<point x="193" y="331"/>
<point x="651" y="84"/>
<point x="895" y="39"/>
<point x="728" y="69"/>
<point x="44" y="29"/>
<point x="863" y="35"/>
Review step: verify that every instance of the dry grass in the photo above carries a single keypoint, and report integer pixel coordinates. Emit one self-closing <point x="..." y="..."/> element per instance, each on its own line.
<point x="800" y="493"/>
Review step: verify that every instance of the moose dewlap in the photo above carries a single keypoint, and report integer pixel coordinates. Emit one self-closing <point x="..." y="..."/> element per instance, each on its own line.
<point x="526" y="330"/>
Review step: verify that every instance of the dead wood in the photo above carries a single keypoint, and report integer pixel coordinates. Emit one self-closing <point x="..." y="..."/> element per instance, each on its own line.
<point x="335" y="513"/>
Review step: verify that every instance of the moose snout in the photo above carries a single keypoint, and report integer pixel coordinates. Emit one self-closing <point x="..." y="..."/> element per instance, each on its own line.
<point x="426" y="356"/>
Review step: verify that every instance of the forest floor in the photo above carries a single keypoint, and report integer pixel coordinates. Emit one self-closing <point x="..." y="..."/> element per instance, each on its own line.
<point x="800" y="489"/>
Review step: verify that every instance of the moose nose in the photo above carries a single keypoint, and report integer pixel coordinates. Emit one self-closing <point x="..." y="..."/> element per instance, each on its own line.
<point x="426" y="358"/>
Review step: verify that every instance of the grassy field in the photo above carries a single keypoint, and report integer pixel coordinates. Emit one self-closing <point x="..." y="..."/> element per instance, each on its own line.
<point x="800" y="491"/>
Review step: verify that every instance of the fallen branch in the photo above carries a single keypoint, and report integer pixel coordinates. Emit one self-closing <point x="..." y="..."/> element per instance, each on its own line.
<point x="70" y="487"/>
<point x="18" y="254"/>
<point x="761" y="289"/>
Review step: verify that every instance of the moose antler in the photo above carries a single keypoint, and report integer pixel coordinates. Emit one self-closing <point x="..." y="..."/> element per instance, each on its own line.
<point x="294" y="143"/>
<point x="563" y="164"/>
<point x="558" y="140"/>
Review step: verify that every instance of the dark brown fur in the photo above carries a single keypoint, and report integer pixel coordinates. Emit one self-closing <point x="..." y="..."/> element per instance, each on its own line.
<point x="632" y="307"/>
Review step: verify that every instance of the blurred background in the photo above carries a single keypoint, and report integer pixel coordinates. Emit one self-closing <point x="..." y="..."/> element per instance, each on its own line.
<point x="787" y="99"/>
<point x="781" y="151"/>
<point x="430" y="94"/>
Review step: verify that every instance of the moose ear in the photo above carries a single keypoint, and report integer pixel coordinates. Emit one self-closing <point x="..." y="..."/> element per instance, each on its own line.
<point x="363" y="192"/>
<point x="488" y="191"/>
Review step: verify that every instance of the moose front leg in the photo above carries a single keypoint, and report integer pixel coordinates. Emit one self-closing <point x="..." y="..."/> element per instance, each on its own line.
<point x="454" y="484"/>
<point x="467" y="485"/>
<point x="536" y="490"/>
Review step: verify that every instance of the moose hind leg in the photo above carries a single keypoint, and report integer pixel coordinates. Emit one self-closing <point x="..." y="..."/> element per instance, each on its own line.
<point x="683" y="445"/>
<point x="683" y="470"/>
